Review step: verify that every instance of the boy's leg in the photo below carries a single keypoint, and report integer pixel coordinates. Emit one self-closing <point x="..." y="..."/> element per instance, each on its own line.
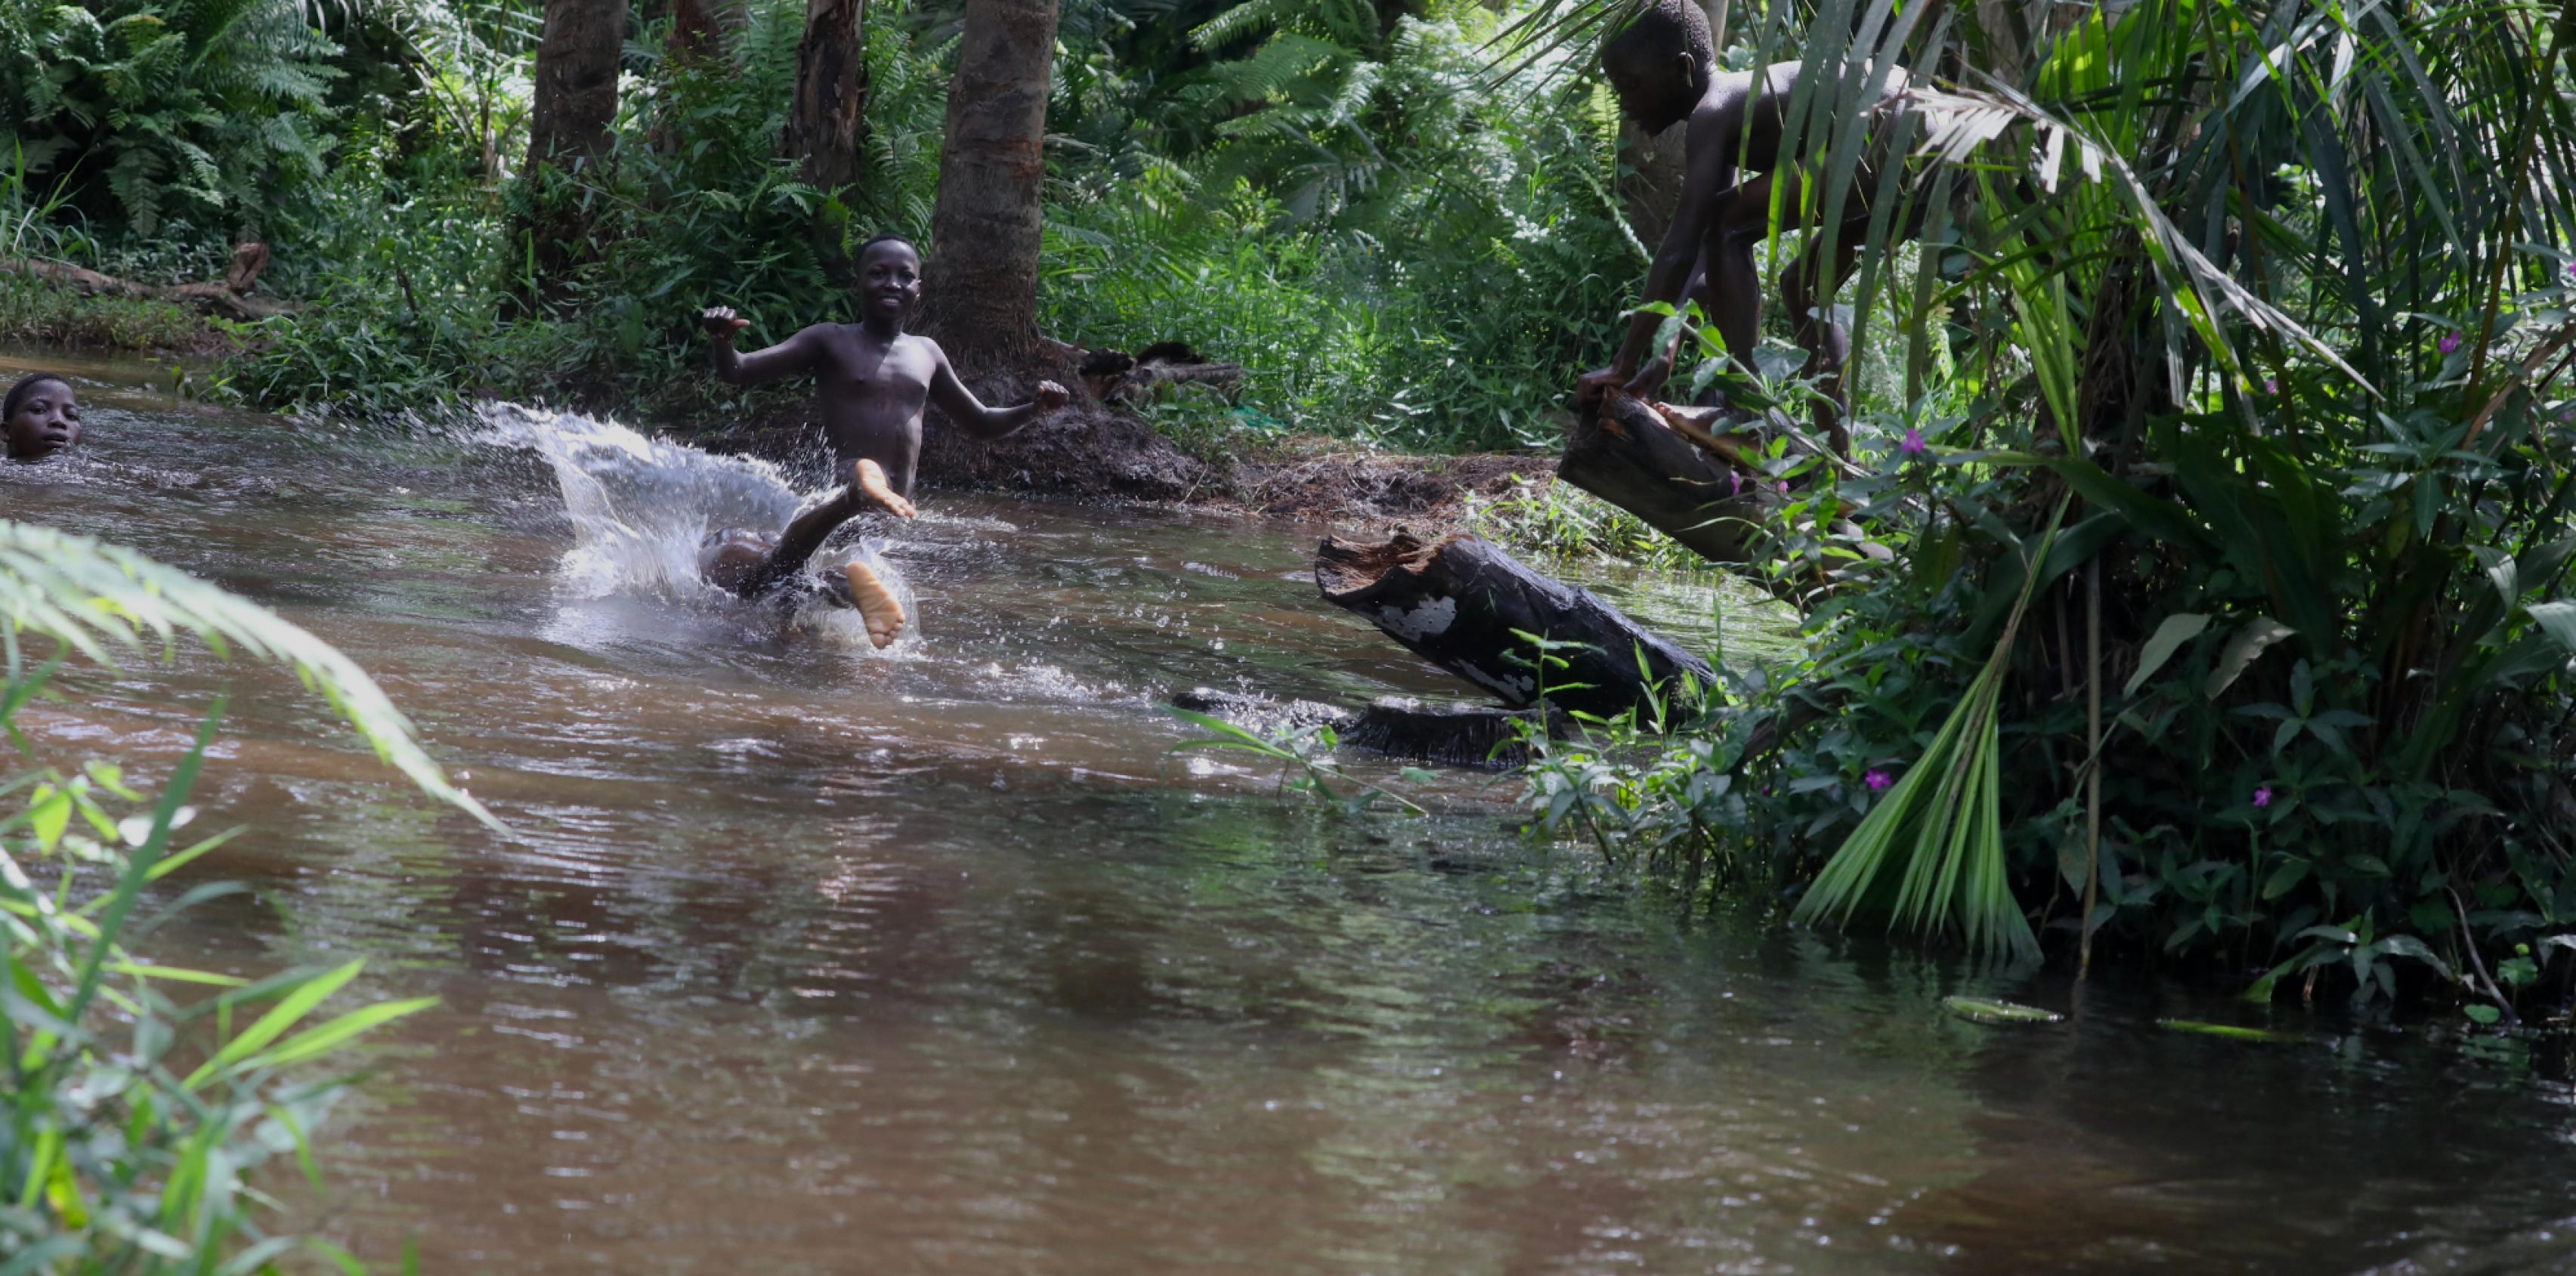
<point x="797" y="545"/>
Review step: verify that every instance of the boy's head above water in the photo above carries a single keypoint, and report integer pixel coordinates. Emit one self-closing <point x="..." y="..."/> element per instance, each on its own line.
<point x="888" y="278"/>
<point x="1659" y="64"/>
<point x="42" y="417"/>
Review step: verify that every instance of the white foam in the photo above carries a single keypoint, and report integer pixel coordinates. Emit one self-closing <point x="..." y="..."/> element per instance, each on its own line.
<point x="640" y="508"/>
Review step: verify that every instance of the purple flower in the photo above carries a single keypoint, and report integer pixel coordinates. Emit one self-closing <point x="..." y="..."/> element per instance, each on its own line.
<point x="2571" y="271"/>
<point x="2271" y="386"/>
<point x="2262" y="797"/>
<point x="1877" y="780"/>
<point x="1784" y="487"/>
<point x="1735" y="483"/>
<point x="1911" y="447"/>
<point x="2450" y="341"/>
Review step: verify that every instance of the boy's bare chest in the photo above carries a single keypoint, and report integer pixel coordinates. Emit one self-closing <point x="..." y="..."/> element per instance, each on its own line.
<point x="859" y="366"/>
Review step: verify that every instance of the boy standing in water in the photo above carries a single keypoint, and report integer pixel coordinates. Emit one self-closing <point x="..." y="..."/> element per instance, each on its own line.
<point x="874" y="380"/>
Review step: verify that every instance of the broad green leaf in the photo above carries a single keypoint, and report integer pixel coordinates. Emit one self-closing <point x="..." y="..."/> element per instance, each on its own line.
<point x="2246" y="644"/>
<point x="2558" y="620"/>
<point x="2168" y="638"/>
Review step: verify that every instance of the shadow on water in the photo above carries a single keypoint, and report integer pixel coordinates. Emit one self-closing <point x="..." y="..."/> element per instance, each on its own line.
<point x="809" y="958"/>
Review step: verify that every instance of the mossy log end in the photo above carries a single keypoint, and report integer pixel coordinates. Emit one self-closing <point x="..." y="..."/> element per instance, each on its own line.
<point x="1458" y="601"/>
<point x="1627" y="455"/>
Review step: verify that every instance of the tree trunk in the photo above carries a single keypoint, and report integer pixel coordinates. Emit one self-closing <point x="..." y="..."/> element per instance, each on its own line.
<point x="1458" y="602"/>
<point x="829" y="114"/>
<point x="1626" y="455"/>
<point x="576" y="82"/>
<point x="983" y="272"/>
<point x="575" y="102"/>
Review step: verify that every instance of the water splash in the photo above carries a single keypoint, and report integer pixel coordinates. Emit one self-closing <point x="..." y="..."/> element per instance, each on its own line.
<point x="640" y="507"/>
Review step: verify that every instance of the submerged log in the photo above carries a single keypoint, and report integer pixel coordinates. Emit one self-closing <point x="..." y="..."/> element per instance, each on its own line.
<point x="1457" y="601"/>
<point x="1627" y="453"/>
<point x="1401" y="727"/>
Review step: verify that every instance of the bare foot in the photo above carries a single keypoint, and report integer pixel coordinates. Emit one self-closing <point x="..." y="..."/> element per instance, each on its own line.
<point x="877" y="605"/>
<point x="872" y="480"/>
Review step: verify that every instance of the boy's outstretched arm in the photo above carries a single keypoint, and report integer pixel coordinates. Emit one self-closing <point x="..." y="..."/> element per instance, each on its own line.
<point x="786" y="359"/>
<point x="1708" y="174"/>
<point x="969" y="412"/>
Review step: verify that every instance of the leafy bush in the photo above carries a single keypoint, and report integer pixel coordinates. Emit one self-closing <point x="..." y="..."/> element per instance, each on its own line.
<point x="2325" y="581"/>
<point x="214" y="108"/>
<point x="134" y="1123"/>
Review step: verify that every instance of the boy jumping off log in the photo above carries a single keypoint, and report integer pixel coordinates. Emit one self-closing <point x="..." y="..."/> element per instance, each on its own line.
<point x="874" y="380"/>
<point x="1663" y="67"/>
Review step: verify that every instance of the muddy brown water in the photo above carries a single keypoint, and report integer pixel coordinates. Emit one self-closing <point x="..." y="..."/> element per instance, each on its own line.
<point x="810" y="959"/>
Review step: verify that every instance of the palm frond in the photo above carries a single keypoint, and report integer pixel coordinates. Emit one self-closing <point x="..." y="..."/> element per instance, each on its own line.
<point x="96" y="597"/>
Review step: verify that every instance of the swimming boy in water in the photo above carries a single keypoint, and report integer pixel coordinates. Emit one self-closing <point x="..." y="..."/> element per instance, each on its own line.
<point x="874" y="380"/>
<point x="42" y="417"/>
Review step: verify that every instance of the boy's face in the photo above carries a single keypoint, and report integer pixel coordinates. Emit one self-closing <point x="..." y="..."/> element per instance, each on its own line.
<point x="45" y="423"/>
<point x="889" y="280"/>
<point x="1657" y="92"/>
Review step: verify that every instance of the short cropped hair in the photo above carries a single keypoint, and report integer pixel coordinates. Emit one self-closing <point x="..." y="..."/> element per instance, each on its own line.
<point x="875" y="240"/>
<point x="25" y="390"/>
<point x="1662" y="26"/>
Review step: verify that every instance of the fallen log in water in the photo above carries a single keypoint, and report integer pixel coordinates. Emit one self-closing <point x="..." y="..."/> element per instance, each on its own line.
<point x="1457" y="601"/>
<point x="1401" y="727"/>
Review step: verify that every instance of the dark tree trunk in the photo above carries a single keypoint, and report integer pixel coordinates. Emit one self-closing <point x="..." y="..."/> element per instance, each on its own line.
<point x="828" y="117"/>
<point x="1626" y="455"/>
<point x="1458" y="601"/>
<point x="576" y="82"/>
<point x="983" y="271"/>
<point x="575" y="103"/>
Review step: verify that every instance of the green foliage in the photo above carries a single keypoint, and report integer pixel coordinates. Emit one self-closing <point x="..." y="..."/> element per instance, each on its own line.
<point x="135" y="1119"/>
<point x="2334" y="629"/>
<point x="1391" y="248"/>
<point x="210" y="107"/>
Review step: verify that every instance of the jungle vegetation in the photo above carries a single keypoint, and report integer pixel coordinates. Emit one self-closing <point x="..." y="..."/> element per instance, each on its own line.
<point x="2197" y="585"/>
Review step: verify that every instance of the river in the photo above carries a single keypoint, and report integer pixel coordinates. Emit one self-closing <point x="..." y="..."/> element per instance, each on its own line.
<point x="809" y="958"/>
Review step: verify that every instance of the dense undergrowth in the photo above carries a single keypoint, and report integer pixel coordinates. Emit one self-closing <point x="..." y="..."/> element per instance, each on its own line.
<point x="2213" y="605"/>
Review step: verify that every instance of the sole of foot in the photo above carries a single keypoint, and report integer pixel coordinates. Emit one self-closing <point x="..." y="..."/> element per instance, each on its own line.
<point x="877" y="606"/>
<point x="872" y="480"/>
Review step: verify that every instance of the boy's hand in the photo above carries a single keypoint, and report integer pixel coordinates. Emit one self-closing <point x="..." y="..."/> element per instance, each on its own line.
<point x="1052" y="396"/>
<point x="1650" y="378"/>
<point x="1589" y="387"/>
<point x="721" y="323"/>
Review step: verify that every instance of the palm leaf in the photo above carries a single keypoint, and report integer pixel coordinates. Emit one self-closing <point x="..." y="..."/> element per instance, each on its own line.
<point x="94" y="597"/>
